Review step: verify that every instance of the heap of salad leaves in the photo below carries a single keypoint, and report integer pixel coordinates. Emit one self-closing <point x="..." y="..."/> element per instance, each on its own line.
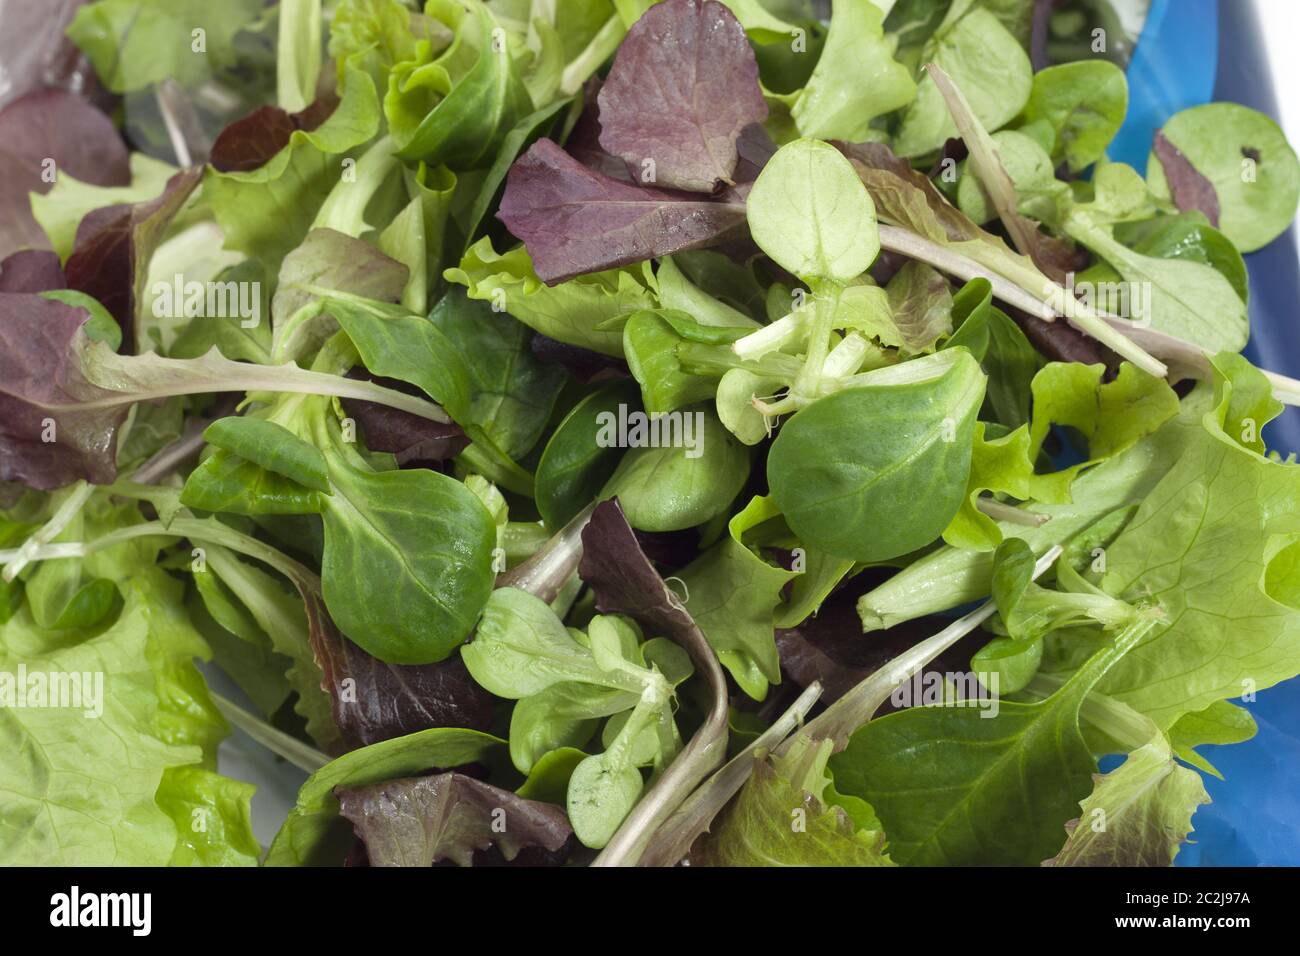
<point x="381" y="502"/>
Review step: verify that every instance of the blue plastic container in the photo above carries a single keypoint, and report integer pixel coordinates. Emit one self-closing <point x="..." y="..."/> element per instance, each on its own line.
<point x="1191" y="52"/>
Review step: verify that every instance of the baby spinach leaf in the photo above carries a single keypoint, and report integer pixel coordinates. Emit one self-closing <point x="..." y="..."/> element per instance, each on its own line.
<point x="226" y="482"/>
<point x="683" y="85"/>
<point x="895" y="490"/>
<point x="1187" y="299"/>
<point x="1084" y="103"/>
<point x="1187" y="236"/>
<point x="1247" y="159"/>
<point x="684" y="483"/>
<point x="574" y="466"/>
<point x="809" y="211"/>
<point x="511" y="391"/>
<point x="408" y="561"/>
<point x="270" y="446"/>
<point x="394" y="343"/>
<point x="974" y="788"/>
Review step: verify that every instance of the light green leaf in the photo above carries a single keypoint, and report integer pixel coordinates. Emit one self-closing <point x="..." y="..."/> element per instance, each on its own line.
<point x="809" y="211"/>
<point x="1247" y="158"/>
<point x="1139" y="814"/>
<point x="985" y="62"/>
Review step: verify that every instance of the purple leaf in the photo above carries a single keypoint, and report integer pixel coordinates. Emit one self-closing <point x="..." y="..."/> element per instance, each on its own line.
<point x="393" y="700"/>
<point x="418" y="821"/>
<point x="44" y="135"/>
<point x="754" y="148"/>
<point x="110" y="261"/>
<point x="48" y="438"/>
<point x="625" y="582"/>
<point x="31" y="270"/>
<point x="583" y="143"/>
<point x="38" y="54"/>
<point x="829" y="647"/>
<point x="574" y="220"/>
<point x="409" y="438"/>
<point x="1189" y="189"/>
<point x="583" y="364"/>
<point x="683" y="85"/>
<point x="248" y="143"/>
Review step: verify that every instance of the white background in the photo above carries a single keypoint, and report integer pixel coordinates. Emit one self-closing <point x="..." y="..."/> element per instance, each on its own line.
<point x="1280" y="22"/>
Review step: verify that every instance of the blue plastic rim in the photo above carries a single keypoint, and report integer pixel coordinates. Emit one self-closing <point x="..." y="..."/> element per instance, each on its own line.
<point x="1192" y="52"/>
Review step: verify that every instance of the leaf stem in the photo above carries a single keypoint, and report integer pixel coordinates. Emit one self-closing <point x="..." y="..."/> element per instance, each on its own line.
<point x="673" y="839"/>
<point x="1001" y="511"/>
<point x="61" y="518"/>
<point x="301" y="755"/>
<point x="838" y="722"/>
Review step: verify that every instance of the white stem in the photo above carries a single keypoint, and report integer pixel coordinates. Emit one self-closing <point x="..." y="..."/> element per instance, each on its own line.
<point x="71" y="507"/>
<point x="846" y="358"/>
<point x="1046" y="302"/>
<point x="301" y="755"/>
<point x="838" y="722"/>
<point x="1000" y="511"/>
<point x="672" y="841"/>
<point x="770" y="337"/>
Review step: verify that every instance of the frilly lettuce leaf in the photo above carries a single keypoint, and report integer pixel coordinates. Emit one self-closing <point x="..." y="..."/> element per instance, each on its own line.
<point x="784" y="816"/>
<point x="577" y="312"/>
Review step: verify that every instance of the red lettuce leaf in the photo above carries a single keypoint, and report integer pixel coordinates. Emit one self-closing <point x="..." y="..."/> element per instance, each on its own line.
<point x="419" y="821"/>
<point x="683" y="85"/>
<point x="583" y="364"/>
<point x="412" y="440"/>
<point x="32" y="270"/>
<point x="110" y="261"/>
<point x="38" y="54"/>
<point x="43" y="443"/>
<point x="574" y="220"/>
<point x="248" y="143"/>
<point x="583" y="142"/>
<point x="383" y="701"/>
<point x="829" y="647"/>
<point x="625" y="582"/>
<point x="51" y="125"/>
<point x="1188" y="187"/>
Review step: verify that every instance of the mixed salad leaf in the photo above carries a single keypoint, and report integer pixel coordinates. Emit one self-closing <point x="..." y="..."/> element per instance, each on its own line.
<point x="577" y="431"/>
